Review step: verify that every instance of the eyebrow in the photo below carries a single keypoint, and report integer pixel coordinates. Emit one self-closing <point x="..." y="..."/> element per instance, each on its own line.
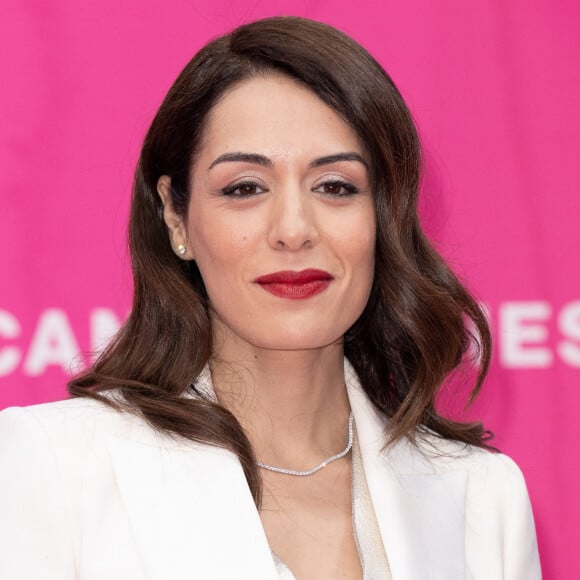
<point x="264" y="161"/>
<point x="328" y="159"/>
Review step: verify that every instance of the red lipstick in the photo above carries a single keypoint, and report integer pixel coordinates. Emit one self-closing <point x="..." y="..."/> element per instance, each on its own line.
<point x="295" y="285"/>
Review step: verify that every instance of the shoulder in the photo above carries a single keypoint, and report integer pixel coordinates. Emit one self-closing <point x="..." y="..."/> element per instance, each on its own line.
<point x="446" y="453"/>
<point x="70" y="425"/>
<point x="497" y="472"/>
<point x="59" y="410"/>
<point x="76" y="412"/>
<point x="496" y="506"/>
<point x="496" y="495"/>
<point x="491" y="484"/>
<point x="60" y="484"/>
<point x="66" y="445"/>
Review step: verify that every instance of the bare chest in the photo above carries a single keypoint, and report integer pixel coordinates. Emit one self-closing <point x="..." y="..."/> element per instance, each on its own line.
<point x="309" y="523"/>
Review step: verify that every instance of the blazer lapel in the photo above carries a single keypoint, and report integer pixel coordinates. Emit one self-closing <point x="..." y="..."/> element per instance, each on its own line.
<point x="190" y="509"/>
<point x="421" y="513"/>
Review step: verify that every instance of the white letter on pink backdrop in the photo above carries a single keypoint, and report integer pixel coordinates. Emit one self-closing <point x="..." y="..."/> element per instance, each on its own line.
<point x="53" y="343"/>
<point x="9" y="355"/>
<point x="569" y="323"/>
<point x="104" y="324"/>
<point x="520" y="324"/>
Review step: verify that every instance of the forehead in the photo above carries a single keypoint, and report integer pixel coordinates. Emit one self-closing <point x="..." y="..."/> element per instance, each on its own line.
<point x="276" y="116"/>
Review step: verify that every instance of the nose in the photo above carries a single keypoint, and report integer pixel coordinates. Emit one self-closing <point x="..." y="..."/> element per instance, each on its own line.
<point x="292" y="223"/>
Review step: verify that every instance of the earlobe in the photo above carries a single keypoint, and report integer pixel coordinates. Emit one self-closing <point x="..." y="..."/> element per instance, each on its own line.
<point x="173" y="221"/>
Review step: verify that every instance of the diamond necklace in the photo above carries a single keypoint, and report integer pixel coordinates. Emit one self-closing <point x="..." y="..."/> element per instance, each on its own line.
<point x="320" y="465"/>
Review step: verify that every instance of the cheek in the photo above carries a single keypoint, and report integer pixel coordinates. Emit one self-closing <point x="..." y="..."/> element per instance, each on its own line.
<point x="357" y="238"/>
<point x="222" y="249"/>
<point x="353" y="238"/>
<point x="362" y="258"/>
<point x="214" y="241"/>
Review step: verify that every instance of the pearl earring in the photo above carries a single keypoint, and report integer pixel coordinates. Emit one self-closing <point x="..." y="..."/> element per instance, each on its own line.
<point x="181" y="249"/>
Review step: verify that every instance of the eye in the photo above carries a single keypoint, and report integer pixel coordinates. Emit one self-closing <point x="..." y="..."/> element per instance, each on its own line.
<point x="243" y="189"/>
<point x="337" y="188"/>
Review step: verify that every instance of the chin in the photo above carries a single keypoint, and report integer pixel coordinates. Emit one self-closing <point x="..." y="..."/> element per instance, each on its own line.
<point x="285" y="340"/>
<point x="283" y="333"/>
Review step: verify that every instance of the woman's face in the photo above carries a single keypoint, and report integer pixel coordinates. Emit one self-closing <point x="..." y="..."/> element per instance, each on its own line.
<point x="281" y="218"/>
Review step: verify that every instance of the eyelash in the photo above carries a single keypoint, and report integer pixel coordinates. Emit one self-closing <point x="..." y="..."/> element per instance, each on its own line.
<point x="349" y="187"/>
<point x="230" y="189"/>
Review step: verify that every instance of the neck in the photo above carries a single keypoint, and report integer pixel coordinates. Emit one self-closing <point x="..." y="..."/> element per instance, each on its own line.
<point x="293" y="405"/>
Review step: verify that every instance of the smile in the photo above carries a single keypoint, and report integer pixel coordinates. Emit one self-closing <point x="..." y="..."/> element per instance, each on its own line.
<point x="295" y="285"/>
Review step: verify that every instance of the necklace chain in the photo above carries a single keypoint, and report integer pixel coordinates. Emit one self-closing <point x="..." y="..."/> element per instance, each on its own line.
<point x="322" y="464"/>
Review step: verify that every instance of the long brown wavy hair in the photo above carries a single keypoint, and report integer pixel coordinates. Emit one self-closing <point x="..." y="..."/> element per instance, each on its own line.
<point x="420" y="323"/>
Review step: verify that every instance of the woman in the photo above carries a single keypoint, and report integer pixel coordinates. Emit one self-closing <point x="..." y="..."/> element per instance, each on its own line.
<point x="267" y="411"/>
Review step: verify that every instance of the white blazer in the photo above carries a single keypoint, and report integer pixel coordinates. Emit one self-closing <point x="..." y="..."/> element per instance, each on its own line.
<point x="88" y="493"/>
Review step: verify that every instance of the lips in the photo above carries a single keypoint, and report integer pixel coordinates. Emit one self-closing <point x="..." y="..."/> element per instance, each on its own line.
<point x="295" y="285"/>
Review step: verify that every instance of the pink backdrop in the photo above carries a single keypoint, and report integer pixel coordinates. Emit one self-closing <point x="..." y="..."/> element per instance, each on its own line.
<point x="494" y="86"/>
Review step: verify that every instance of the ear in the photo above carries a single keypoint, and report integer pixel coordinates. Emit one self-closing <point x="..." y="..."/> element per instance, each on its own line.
<point x="173" y="221"/>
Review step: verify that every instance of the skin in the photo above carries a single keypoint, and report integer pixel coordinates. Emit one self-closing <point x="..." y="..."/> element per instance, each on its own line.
<point x="278" y="363"/>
